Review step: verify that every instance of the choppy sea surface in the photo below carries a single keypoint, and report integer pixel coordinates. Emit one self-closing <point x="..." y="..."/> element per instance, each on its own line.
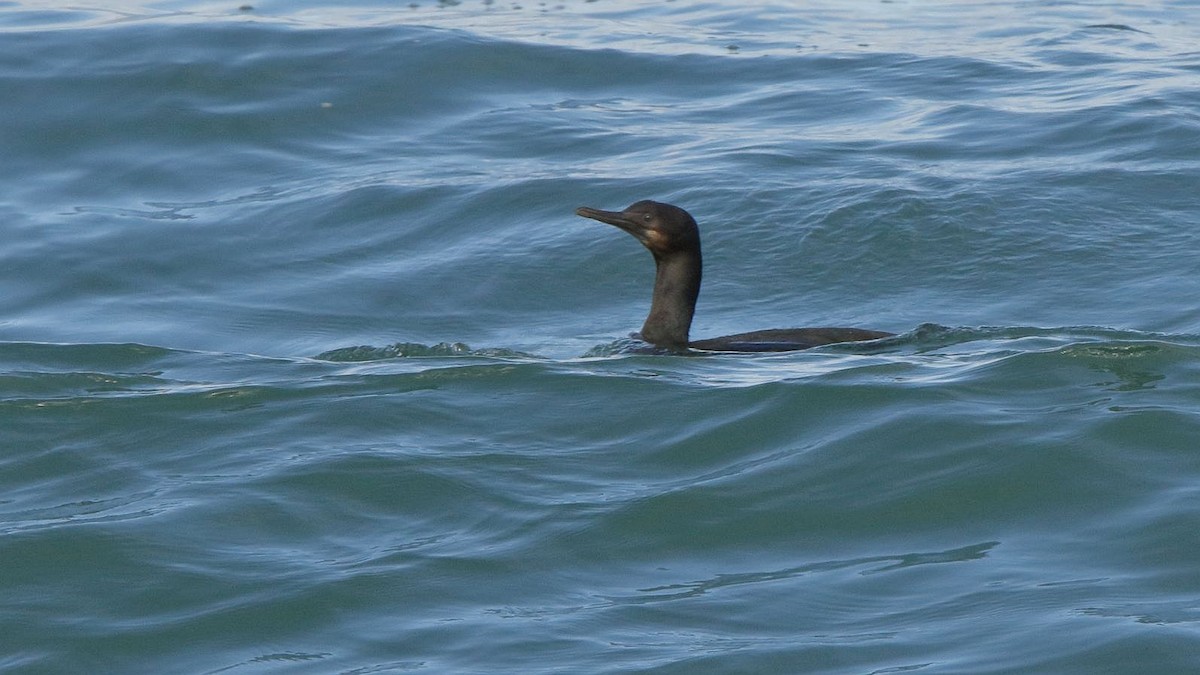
<point x="307" y="366"/>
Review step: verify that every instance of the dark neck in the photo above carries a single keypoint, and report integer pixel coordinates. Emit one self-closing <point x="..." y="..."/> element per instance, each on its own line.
<point x="676" y="287"/>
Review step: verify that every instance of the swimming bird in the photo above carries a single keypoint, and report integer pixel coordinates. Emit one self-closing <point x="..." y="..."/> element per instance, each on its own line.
<point x="671" y="235"/>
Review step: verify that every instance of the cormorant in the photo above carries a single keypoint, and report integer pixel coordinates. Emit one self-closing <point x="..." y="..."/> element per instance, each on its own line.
<point x="671" y="235"/>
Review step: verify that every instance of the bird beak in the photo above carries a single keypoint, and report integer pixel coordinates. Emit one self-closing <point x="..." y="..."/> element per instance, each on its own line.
<point x="615" y="218"/>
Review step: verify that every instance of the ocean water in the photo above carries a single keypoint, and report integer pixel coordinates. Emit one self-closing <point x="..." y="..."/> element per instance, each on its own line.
<point x="307" y="365"/>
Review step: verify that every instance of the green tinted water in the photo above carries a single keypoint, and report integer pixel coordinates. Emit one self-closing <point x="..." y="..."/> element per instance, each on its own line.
<point x="307" y="366"/>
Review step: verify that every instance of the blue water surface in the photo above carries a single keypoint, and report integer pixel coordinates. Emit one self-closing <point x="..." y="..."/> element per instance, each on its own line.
<point x="307" y="365"/>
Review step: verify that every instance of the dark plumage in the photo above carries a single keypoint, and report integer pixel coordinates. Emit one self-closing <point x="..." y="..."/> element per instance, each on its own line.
<point x="671" y="235"/>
